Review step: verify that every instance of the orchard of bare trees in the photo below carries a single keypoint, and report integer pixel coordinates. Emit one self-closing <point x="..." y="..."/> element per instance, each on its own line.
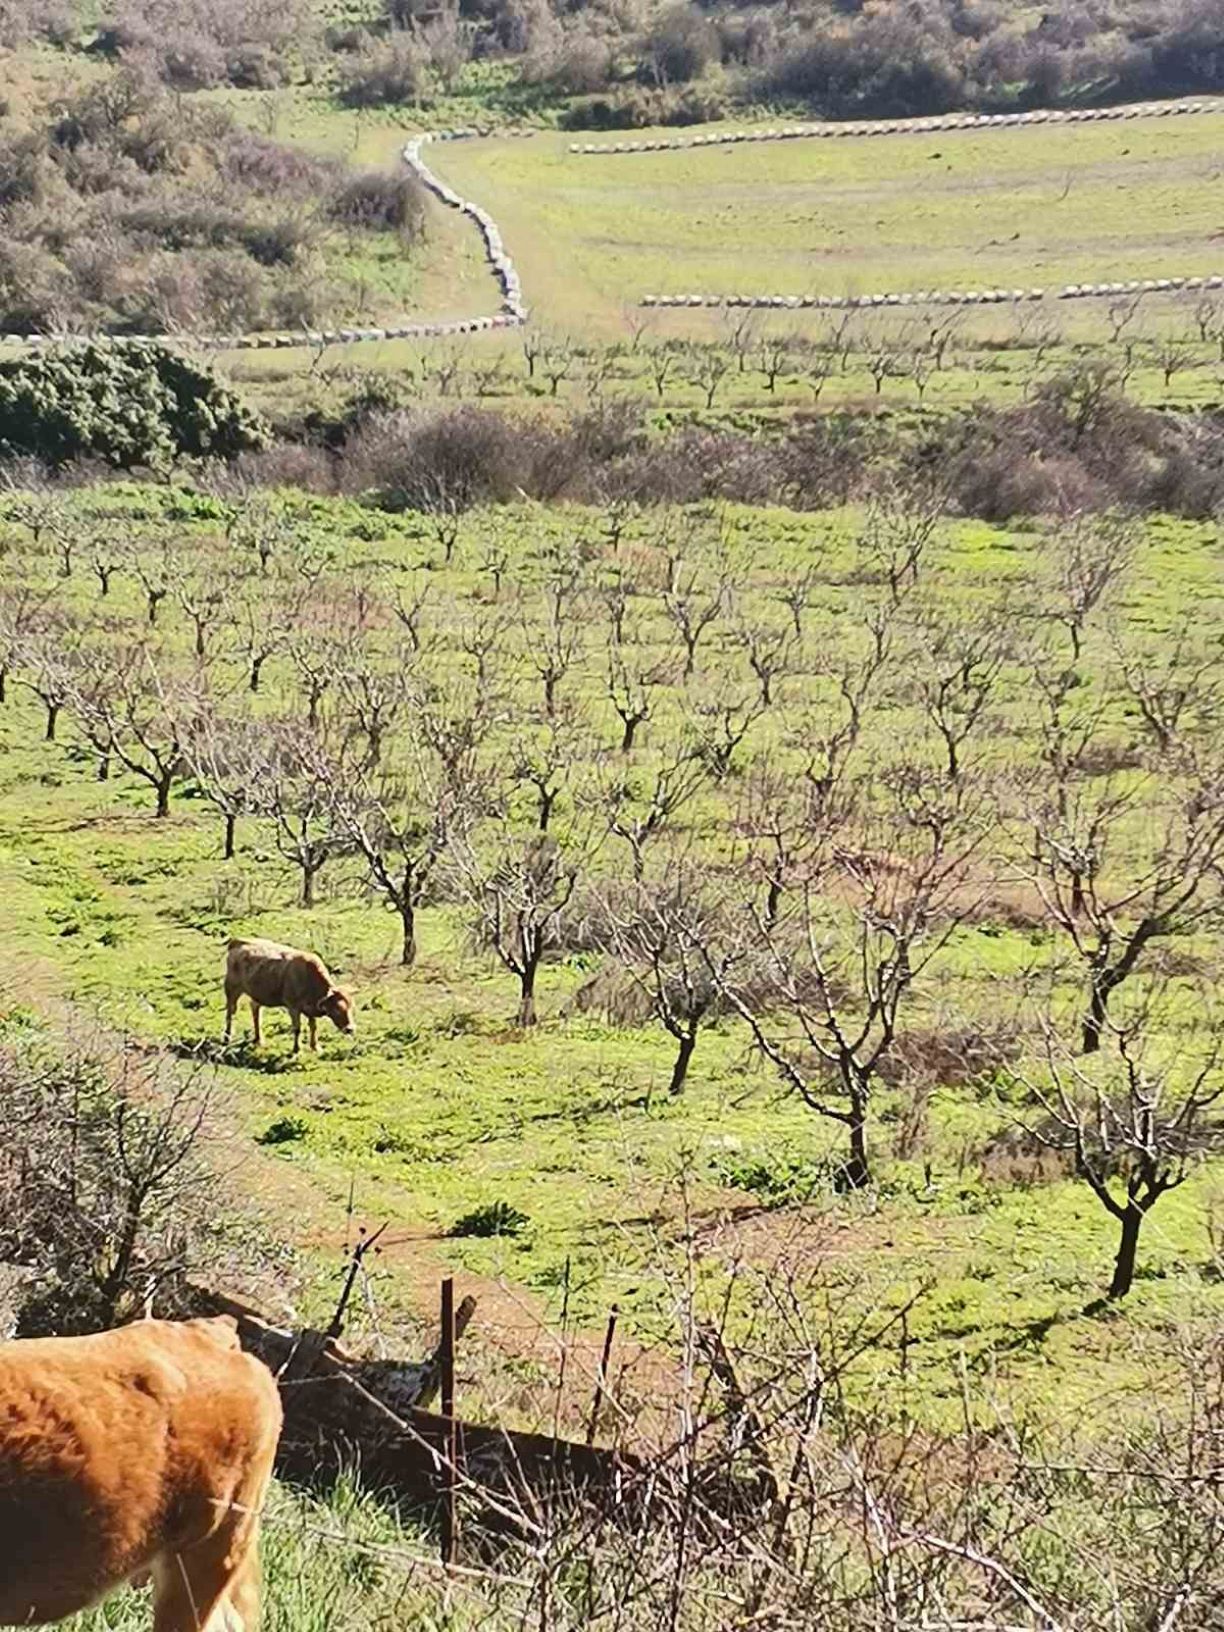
<point x="801" y="790"/>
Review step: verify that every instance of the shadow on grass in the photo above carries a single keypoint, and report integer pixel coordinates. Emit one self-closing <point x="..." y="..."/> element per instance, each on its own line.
<point x="243" y="1053"/>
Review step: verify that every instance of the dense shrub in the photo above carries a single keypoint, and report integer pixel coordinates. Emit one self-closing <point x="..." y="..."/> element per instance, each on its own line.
<point x="125" y="406"/>
<point x="387" y="200"/>
<point x="130" y="212"/>
<point x="638" y="108"/>
<point x="384" y="72"/>
<point x="192" y="47"/>
<point x="678" y="47"/>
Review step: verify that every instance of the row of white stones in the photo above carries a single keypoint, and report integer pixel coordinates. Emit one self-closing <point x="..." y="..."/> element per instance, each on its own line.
<point x="894" y="127"/>
<point x="944" y="297"/>
<point x="513" y="308"/>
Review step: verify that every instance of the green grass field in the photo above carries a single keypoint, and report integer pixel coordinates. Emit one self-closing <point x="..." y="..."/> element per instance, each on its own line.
<point x="441" y="1106"/>
<point x="1038" y="206"/>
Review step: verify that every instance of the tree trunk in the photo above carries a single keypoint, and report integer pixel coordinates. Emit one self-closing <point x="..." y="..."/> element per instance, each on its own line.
<point x="153" y="600"/>
<point x="527" y="1008"/>
<point x="231" y="822"/>
<point x="256" y="667"/>
<point x="308" y="878"/>
<point x="548" y="799"/>
<point x="857" y="1172"/>
<point x="199" y="640"/>
<point x="52" y="716"/>
<point x="104" y="768"/>
<point x="631" y="725"/>
<point x="680" y="1069"/>
<point x="1128" y="1246"/>
<point x="408" y="952"/>
<point x="3" y="685"/>
<point x="163" y="793"/>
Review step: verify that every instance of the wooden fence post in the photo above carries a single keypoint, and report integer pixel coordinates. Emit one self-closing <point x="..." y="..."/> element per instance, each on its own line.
<point x="601" y="1382"/>
<point x="450" y="1472"/>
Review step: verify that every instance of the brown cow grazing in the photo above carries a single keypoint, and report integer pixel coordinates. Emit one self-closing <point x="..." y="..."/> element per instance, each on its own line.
<point x="140" y="1452"/>
<point x="280" y="977"/>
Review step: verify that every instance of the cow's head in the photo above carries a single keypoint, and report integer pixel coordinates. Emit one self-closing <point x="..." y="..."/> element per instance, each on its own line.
<point x="338" y="1007"/>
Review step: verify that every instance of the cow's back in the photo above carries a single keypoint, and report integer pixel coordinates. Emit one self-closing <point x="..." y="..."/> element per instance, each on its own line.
<point x="120" y="1444"/>
<point x="276" y="976"/>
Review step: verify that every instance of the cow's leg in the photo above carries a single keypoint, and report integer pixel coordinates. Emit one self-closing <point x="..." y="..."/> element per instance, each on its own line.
<point x="231" y="1008"/>
<point x="213" y="1587"/>
<point x="313" y="1025"/>
<point x="297" y="1030"/>
<point x="255" y="1022"/>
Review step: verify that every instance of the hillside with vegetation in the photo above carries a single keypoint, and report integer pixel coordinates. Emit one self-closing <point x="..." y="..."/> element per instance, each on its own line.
<point x="755" y="764"/>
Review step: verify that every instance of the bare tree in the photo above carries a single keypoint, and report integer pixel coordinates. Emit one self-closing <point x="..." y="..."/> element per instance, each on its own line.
<point x="706" y="367"/>
<point x="205" y="596"/>
<point x="1113" y="897"/>
<point x="795" y="594"/>
<point x="227" y="756"/>
<point x="1174" y="689"/>
<point x="663" y="936"/>
<point x="557" y="360"/>
<point x="775" y="357"/>
<point x="258" y="526"/>
<point x="770" y="653"/>
<point x="371" y="696"/>
<point x="720" y="725"/>
<point x="641" y="804"/>
<point x="841" y="978"/>
<point x="22" y="610"/>
<point x="400" y="822"/>
<point x="545" y="759"/>
<point x="296" y="789"/>
<point x="662" y="361"/>
<point x="263" y="626"/>
<point x="1135" y="1125"/>
<point x="1087" y="562"/>
<point x="630" y="683"/>
<point x="693" y="604"/>
<point x="131" y="712"/>
<point x="47" y="659"/>
<point x="958" y="666"/>
<point x="901" y="523"/>
<point x="741" y="326"/>
<point x="150" y="563"/>
<point x="518" y="893"/>
<point x="107" y="552"/>
<point x="1172" y="353"/>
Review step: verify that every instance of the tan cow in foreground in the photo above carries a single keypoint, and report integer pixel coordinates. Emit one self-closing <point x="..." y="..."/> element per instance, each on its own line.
<point x="144" y="1451"/>
<point x="281" y="977"/>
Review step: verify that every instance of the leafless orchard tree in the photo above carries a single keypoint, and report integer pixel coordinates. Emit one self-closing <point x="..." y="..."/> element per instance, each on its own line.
<point x="259" y="527"/>
<point x="371" y="695"/>
<point x="775" y="356"/>
<point x="899" y="528"/>
<point x="151" y="563"/>
<point x="958" y="666"/>
<point x="296" y="786"/>
<point x="554" y="646"/>
<point x="662" y="937"/>
<point x="631" y="680"/>
<point x="770" y="654"/>
<point x="400" y="821"/>
<point x="641" y="803"/>
<point x="706" y="367"/>
<point x="205" y="593"/>
<point x="106" y="551"/>
<point x="1113" y="896"/>
<point x="1175" y="688"/>
<point x="741" y="327"/>
<point x="720" y="725"/>
<point x="227" y="754"/>
<point x="43" y="510"/>
<point x="795" y="594"/>
<point x="693" y="604"/>
<point x="662" y="362"/>
<point x="318" y="650"/>
<point x="517" y="893"/>
<point x="556" y="360"/>
<point x="845" y="953"/>
<point x="133" y="712"/>
<point x="263" y="625"/>
<point x="1137" y="1123"/>
<point x="22" y="610"/>
<point x="1086" y="564"/>
<point x="46" y="665"/>
<point x="544" y="759"/>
